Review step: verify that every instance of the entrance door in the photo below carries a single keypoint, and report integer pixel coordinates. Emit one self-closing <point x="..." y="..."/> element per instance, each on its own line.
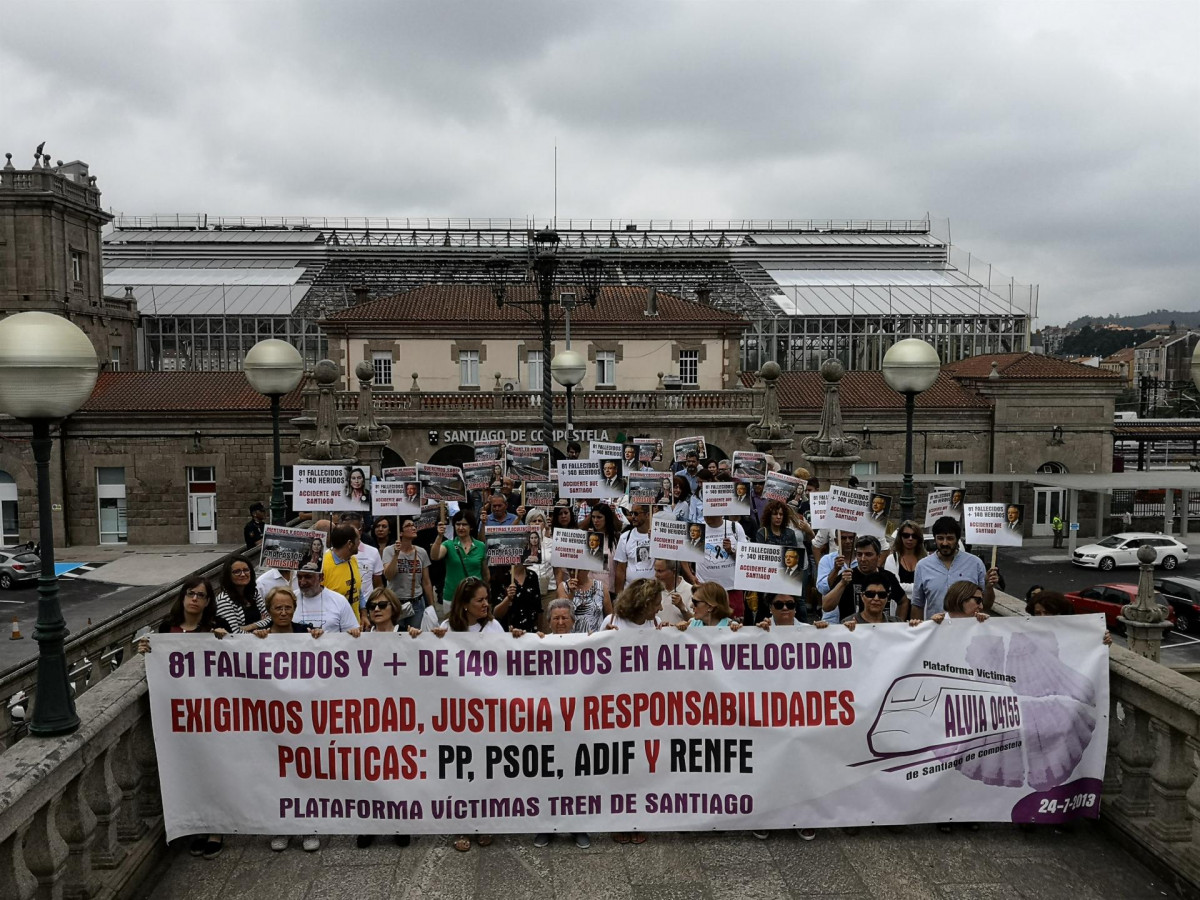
<point x="1048" y="503"/>
<point x="202" y="505"/>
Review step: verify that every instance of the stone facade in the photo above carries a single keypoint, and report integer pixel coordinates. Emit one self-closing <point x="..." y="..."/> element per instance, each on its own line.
<point x="50" y="256"/>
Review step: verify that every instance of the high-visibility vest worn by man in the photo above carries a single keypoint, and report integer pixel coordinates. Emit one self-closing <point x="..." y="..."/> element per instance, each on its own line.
<point x="1056" y="525"/>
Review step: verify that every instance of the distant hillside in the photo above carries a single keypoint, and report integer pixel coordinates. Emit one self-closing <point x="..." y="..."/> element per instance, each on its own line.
<point x="1182" y="318"/>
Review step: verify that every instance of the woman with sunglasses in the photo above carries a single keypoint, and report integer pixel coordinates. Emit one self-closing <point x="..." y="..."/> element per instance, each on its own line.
<point x="194" y="612"/>
<point x="964" y="600"/>
<point x="710" y="608"/>
<point x="908" y="548"/>
<point x="239" y="603"/>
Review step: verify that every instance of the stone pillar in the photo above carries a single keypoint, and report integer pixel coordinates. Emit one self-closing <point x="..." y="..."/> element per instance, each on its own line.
<point x="369" y="435"/>
<point x="327" y="447"/>
<point x="770" y="434"/>
<point x="1145" y="621"/>
<point x="829" y="453"/>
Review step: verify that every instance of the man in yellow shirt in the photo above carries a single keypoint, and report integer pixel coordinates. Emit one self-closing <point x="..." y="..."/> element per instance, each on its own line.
<point x="340" y="568"/>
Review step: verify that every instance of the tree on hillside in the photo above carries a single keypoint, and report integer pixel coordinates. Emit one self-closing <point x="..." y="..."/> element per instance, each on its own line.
<point x="1102" y="342"/>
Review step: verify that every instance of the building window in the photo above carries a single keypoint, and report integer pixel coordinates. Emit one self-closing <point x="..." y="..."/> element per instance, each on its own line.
<point x="77" y="266"/>
<point x="382" y="360"/>
<point x="865" y="472"/>
<point x="110" y="500"/>
<point x="468" y="368"/>
<point x="948" y="467"/>
<point x="606" y="368"/>
<point x="114" y="359"/>
<point x="202" y="504"/>
<point x="9" y="528"/>
<point x="689" y="367"/>
<point x="533" y="370"/>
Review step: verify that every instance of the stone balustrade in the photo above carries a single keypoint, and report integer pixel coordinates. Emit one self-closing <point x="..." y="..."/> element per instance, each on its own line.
<point x="49" y="181"/>
<point x="81" y="814"/>
<point x="1152" y="773"/>
<point x="399" y="406"/>
<point x="91" y="657"/>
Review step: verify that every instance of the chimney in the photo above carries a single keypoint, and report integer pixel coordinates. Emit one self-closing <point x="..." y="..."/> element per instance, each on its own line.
<point x="362" y="293"/>
<point x="651" y="303"/>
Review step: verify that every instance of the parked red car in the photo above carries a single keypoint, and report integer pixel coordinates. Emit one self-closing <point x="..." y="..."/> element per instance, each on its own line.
<point x="1108" y="599"/>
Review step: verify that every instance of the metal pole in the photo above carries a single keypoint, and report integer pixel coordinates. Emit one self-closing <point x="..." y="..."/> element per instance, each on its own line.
<point x="907" y="498"/>
<point x="547" y="395"/>
<point x="278" y="511"/>
<point x="53" y="705"/>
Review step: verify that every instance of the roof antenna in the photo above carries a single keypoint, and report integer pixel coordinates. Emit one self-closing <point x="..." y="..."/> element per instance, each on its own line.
<point x="556" y="184"/>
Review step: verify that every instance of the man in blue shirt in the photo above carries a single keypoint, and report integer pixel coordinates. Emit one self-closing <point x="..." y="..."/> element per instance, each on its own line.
<point x="934" y="574"/>
<point x="498" y="513"/>
<point x="830" y="567"/>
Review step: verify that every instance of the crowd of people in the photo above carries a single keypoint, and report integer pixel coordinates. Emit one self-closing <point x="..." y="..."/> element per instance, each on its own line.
<point x="383" y="574"/>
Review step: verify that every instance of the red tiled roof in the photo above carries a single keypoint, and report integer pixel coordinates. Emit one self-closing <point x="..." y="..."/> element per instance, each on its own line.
<point x="1023" y="365"/>
<point x="456" y="303"/>
<point x="868" y="390"/>
<point x="181" y="392"/>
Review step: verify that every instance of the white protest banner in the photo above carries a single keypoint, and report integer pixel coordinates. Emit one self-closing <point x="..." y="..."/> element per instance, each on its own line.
<point x="781" y="487"/>
<point x="443" y="483"/>
<point x="673" y="539"/>
<point x="480" y="476"/>
<point x="749" y="465"/>
<point x="937" y="504"/>
<point x="649" y="487"/>
<point x="687" y="445"/>
<point x="538" y="493"/>
<point x="396" y="498"/>
<point x="507" y="545"/>
<point x="769" y="568"/>
<point x="726" y="498"/>
<point x="650" y="450"/>
<point x="849" y="510"/>
<point x="578" y="479"/>
<point x="1004" y="720"/>
<point x="287" y="548"/>
<point x="994" y="524"/>
<point x="575" y="548"/>
<point x="605" y="450"/>
<point x="818" y="509"/>
<point x="318" y="487"/>
<point x="528" y="462"/>
<point x="400" y="473"/>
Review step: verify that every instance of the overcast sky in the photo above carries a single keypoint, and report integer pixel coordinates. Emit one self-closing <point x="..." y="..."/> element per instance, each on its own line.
<point x="1060" y="139"/>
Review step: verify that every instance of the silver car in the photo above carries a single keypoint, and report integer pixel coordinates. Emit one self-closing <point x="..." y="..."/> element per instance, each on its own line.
<point x="1121" y="550"/>
<point x="17" y="566"/>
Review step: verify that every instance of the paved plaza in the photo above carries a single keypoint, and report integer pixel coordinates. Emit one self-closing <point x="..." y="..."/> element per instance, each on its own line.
<point x="999" y="862"/>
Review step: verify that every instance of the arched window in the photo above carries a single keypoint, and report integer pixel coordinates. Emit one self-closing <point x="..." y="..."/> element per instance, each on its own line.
<point x="1052" y="468"/>
<point x="10" y="533"/>
<point x="392" y="459"/>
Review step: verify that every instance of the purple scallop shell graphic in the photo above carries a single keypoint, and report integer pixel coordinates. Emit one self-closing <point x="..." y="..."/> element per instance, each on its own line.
<point x="1058" y="714"/>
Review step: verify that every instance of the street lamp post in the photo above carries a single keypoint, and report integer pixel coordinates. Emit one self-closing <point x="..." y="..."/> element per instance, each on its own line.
<point x="546" y="267"/>
<point x="48" y="368"/>
<point x="274" y="368"/>
<point x="568" y="369"/>
<point x="910" y="367"/>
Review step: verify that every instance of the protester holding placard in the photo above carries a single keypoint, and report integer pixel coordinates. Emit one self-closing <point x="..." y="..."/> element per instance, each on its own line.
<point x="934" y="574"/>
<point x="465" y="557"/>
<point x="589" y="597"/>
<point x="675" y="594"/>
<point x="631" y="559"/>
<point x="721" y="538"/>
<point x="604" y="522"/>
<point x="498" y="514"/>
<point x="407" y="570"/>
<point x="908" y="549"/>
<point x="831" y="565"/>
<point x="845" y="591"/>
<point x="686" y="506"/>
<point x="517" y="597"/>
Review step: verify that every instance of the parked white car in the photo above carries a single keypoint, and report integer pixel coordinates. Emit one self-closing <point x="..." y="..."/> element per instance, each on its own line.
<point x="1121" y="550"/>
